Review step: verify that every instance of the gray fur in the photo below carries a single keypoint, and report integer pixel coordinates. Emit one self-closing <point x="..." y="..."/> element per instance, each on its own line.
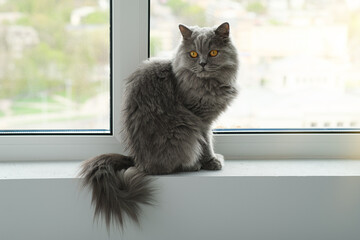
<point x="168" y="111"/>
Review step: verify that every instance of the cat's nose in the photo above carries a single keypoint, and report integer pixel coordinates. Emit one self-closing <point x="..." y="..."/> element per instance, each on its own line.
<point x="203" y="64"/>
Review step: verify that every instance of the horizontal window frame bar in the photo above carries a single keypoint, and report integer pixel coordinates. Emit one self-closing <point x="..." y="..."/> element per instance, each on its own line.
<point x="288" y="146"/>
<point x="59" y="132"/>
<point x="286" y="131"/>
<point x="215" y="131"/>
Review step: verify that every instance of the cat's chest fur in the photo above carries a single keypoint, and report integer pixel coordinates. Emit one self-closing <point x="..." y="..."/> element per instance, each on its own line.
<point x="206" y="97"/>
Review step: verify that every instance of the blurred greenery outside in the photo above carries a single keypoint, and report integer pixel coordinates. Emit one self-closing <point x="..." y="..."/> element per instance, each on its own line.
<point x="256" y="7"/>
<point x="101" y="17"/>
<point x="62" y="63"/>
<point x="188" y="11"/>
<point x="155" y="45"/>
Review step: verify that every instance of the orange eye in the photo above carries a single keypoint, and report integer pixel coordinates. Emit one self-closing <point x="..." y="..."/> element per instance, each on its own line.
<point x="193" y="54"/>
<point x="213" y="53"/>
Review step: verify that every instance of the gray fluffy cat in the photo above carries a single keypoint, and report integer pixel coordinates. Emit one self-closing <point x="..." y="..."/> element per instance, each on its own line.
<point x="168" y="111"/>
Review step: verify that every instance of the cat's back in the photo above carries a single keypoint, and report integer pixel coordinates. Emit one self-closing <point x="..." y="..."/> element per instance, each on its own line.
<point x="151" y="87"/>
<point x="152" y="69"/>
<point x="151" y="73"/>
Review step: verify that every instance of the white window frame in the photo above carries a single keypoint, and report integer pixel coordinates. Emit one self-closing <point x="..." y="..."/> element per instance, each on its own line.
<point x="130" y="48"/>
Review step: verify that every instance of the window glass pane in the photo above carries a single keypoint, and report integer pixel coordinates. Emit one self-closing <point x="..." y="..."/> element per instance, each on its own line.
<point x="300" y="59"/>
<point x="54" y="65"/>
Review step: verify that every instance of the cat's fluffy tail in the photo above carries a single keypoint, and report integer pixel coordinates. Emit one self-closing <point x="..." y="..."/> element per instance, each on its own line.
<point x="117" y="187"/>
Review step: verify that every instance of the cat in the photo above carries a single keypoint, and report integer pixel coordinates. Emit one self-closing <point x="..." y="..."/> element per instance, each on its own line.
<point x="169" y="107"/>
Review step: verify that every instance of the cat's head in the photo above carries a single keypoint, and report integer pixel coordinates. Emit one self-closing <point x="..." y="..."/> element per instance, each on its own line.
<point x="206" y="52"/>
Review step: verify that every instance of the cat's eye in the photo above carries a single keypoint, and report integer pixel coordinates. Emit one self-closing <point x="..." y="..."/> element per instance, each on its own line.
<point x="213" y="53"/>
<point x="193" y="54"/>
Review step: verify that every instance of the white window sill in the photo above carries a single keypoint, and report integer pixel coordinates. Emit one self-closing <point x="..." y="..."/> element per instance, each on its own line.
<point x="233" y="168"/>
<point x="43" y="199"/>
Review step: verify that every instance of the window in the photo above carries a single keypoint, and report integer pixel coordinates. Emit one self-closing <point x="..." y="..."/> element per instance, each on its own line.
<point x="130" y="27"/>
<point x="299" y="73"/>
<point x="55" y="67"/>
<point x="129" y="49"/>
<point x="299" y="58"/>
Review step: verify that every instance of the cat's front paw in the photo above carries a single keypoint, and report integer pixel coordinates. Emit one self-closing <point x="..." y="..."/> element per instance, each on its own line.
<point x="214" y="163"/>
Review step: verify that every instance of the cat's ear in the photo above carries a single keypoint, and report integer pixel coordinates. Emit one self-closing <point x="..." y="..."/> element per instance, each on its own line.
<point x="185" y="31"/>
<point x="223" y="30"/>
